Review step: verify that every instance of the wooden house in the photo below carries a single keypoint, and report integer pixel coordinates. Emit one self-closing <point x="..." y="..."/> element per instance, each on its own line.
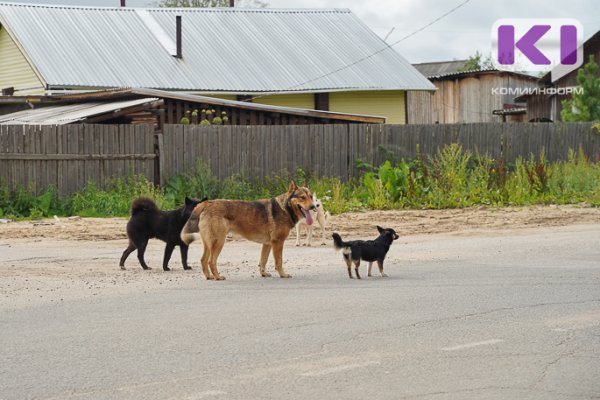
<point x="546" y="104"/>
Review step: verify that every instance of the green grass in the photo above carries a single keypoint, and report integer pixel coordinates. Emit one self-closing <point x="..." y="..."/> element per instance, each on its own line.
<point x="452" y="178"/>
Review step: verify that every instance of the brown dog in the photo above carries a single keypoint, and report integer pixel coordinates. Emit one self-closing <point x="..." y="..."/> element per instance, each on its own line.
<point x="266" y="221"/>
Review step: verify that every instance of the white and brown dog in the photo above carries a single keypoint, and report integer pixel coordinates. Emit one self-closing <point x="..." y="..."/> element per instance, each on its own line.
<point x="320" y="215"/>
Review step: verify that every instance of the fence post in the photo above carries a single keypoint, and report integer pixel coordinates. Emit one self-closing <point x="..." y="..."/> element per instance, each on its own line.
<point x="159" y="161"/>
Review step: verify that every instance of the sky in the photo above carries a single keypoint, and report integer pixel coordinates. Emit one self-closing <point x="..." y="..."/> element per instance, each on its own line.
<point x="456" y="36"/>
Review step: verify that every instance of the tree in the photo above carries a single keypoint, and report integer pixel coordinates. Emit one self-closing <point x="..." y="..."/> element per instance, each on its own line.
<point x="584" y="105"/>
<point x="476" y="62"/>
<point x="210" y="3"/>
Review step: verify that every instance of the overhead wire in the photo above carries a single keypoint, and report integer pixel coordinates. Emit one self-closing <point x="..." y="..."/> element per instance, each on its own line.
<point x="388" y="46"/>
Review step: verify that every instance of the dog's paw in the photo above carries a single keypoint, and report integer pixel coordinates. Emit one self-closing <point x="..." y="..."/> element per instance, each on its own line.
<point x="166" y="269"/>
<point x="210" y="278"/>
<point x="384" y="275"/>
<point x="265" y="274"/>
<point x="285" y="276"/>
<point x="297" y="244"/>
<point x="188" y="268"/>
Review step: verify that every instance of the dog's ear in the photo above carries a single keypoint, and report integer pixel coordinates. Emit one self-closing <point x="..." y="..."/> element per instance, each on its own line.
<point x="305" y="183"/>
<point x="188" y="201"/>
<point x="380" y="229"/>
<point x="292" y="186"/>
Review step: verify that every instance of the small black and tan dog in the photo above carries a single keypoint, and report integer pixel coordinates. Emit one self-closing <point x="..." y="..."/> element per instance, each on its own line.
<point x="366" y="250"/>
<point x="148" y="222"/>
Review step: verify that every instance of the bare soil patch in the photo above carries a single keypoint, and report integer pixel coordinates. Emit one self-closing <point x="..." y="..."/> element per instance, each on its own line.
<point x="357" y="224"/>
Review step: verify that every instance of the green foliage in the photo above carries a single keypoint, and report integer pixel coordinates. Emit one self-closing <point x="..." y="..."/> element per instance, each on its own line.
<point x="477" y="62"/>
<point x="113" y="201"/>
<point x="22" y="203"/>
<point x="584" y="106"/>
<point x="386" y="185"/>
<point x="197" y="184"/>
<point x="451" y="178"/>
<point x="238" y="187"/>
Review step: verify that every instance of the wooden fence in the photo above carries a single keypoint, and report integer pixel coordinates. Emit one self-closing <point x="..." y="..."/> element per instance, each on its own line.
<point x="69" y="156"/>
<point x="327" y="150"/>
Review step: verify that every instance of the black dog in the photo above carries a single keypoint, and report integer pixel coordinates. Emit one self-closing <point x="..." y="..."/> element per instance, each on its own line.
<point x="367" y="250"/>
<point x="148" y="222"/>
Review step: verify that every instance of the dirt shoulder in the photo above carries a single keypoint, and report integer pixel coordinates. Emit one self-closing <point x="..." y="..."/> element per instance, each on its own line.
<point x="406" y="222"/>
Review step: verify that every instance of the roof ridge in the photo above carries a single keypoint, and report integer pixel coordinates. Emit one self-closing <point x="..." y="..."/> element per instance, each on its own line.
<point x="180" y="9"/>
<point x="439" y="62"/>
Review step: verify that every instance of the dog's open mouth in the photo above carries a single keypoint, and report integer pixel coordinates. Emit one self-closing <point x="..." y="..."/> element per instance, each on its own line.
<point x="307" y="215"/>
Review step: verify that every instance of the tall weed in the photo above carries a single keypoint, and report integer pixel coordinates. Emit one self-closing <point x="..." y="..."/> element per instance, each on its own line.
<point x="451" y="178"/>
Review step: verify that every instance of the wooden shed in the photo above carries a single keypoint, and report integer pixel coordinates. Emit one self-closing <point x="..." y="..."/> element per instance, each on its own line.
<point x="466" y="96"/>
<point x="159" y="107"/>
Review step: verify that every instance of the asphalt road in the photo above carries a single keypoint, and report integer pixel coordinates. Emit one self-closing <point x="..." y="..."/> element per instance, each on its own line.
<point x="510" y="316"/>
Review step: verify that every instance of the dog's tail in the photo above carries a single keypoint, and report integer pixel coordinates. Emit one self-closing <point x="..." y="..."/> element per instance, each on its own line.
<point x="338" y="243"/>
<point x="191" y="229"/>
<point x="143" y="204"/>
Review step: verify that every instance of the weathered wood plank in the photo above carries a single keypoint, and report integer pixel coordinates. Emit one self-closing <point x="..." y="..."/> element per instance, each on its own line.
<point x="70" y="156"/>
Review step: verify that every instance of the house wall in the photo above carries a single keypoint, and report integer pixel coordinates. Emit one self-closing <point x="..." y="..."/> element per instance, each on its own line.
<point x="420" y="107"/>
<point x="538" y="106"/>
<point x="390" y="104"/>
<point x="301" y="100"/>
<point x="516" y="118"/>
<point x="464" y="99"/>
<point x="15" y="70"/>
<point x="550" y="106"/>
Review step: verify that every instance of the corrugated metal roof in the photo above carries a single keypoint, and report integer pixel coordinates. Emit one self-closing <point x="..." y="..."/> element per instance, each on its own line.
<point x="229" y="49"/>
<point x="440" y="68"/>
<point x="510" y="111"/>
<point x="68" y="114"/>
<point x="451" y="70"/>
